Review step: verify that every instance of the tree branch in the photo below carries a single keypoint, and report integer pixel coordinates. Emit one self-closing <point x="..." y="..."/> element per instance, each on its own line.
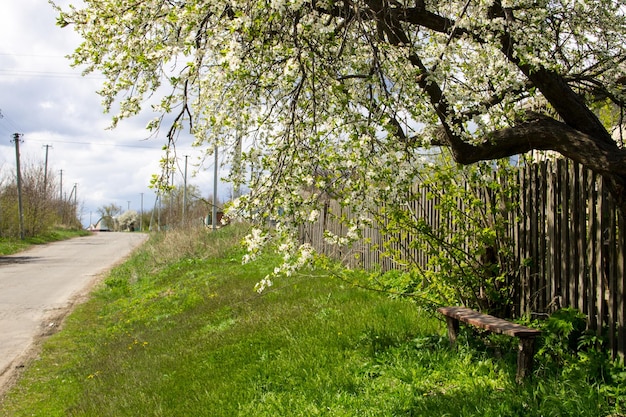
<point x="540" y="132"/>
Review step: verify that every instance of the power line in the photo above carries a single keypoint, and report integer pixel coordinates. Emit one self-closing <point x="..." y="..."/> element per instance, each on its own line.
<point x="32" y="55"/>
<point x="6" y="118"/>
<point x="113" y="145"/>
<point x="1" y="117"/>
<point x="46" y="74"/>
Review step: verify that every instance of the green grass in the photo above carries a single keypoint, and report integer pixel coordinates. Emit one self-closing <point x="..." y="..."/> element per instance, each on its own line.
<point x="10" y="246"/>
<point x="179" y="331"/>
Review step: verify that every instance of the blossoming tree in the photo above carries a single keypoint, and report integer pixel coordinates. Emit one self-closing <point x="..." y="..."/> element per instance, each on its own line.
<point x="340" y="97"/>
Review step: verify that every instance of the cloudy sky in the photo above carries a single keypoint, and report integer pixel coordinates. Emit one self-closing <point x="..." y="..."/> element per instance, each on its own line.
<point x="50" y="103"/>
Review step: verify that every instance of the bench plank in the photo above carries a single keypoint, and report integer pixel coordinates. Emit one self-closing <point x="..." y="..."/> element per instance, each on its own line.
<point x="487" y="322"/>
<point x="525" y="334"/>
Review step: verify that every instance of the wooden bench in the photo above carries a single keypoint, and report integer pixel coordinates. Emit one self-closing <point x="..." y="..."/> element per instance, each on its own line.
<point x="525" y="334"/>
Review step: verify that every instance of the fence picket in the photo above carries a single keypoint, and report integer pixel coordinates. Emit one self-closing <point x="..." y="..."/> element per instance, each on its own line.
<point x="564" y="223"/>
<point x="619" y="289"/>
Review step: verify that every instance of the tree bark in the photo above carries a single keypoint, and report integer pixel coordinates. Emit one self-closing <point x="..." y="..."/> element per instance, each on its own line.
<point x="580" y="136"/>
<point x="544" y="133"/>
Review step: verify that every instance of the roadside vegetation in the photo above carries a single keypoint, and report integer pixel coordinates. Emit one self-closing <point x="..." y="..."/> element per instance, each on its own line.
<point x="178" y="331"/>
<point x="10" y="245"/>
<point x="45" y="216"/>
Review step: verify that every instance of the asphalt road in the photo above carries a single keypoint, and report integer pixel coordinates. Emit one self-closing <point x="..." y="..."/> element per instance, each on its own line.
<point x="40" y="286"/>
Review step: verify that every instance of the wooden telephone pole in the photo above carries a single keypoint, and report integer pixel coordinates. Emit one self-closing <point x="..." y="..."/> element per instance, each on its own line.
<point x="17" y="140"/>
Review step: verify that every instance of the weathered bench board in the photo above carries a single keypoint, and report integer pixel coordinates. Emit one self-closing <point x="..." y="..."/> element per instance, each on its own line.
<point x="493" y="324"/>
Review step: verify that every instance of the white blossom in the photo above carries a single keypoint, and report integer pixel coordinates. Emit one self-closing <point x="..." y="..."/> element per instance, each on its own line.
<point x="328" y="108"/>
<point x="263" y="285"/>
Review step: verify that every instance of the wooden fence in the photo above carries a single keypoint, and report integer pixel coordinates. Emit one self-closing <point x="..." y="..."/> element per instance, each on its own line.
<point x="567" y="237"/>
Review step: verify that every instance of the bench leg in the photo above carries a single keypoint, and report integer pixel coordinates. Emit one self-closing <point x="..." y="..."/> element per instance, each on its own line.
<point x="525" y="358"/>
<point x="453" y="330"/>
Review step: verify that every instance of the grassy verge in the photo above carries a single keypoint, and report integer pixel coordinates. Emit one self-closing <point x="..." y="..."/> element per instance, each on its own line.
<point x="178" y="331"/>
<point x="9" y="246"/>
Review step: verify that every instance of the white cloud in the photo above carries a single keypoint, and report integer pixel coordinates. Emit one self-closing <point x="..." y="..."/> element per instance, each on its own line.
<point x="48" y="102"/>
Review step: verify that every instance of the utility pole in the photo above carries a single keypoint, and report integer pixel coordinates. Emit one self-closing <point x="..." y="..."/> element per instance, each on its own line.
<point x="237" y="166"/>
<point x="16" y="139"/>
<point x="61" y="202"/>
<point x="171" y="195"/>
<point x="61" y="187"/>
<point x="214" y="212"/>
<point x="45" y="173"/>
<point x="159" y="200"/>
<point x="73" y="194"/>
<point x="185" y="191"/>
<point x="141" y="215"/>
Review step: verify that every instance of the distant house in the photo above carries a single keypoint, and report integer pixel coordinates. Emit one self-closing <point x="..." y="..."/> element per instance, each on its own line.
<point x="100" y="226"/>
<point x="208" y="220"/>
